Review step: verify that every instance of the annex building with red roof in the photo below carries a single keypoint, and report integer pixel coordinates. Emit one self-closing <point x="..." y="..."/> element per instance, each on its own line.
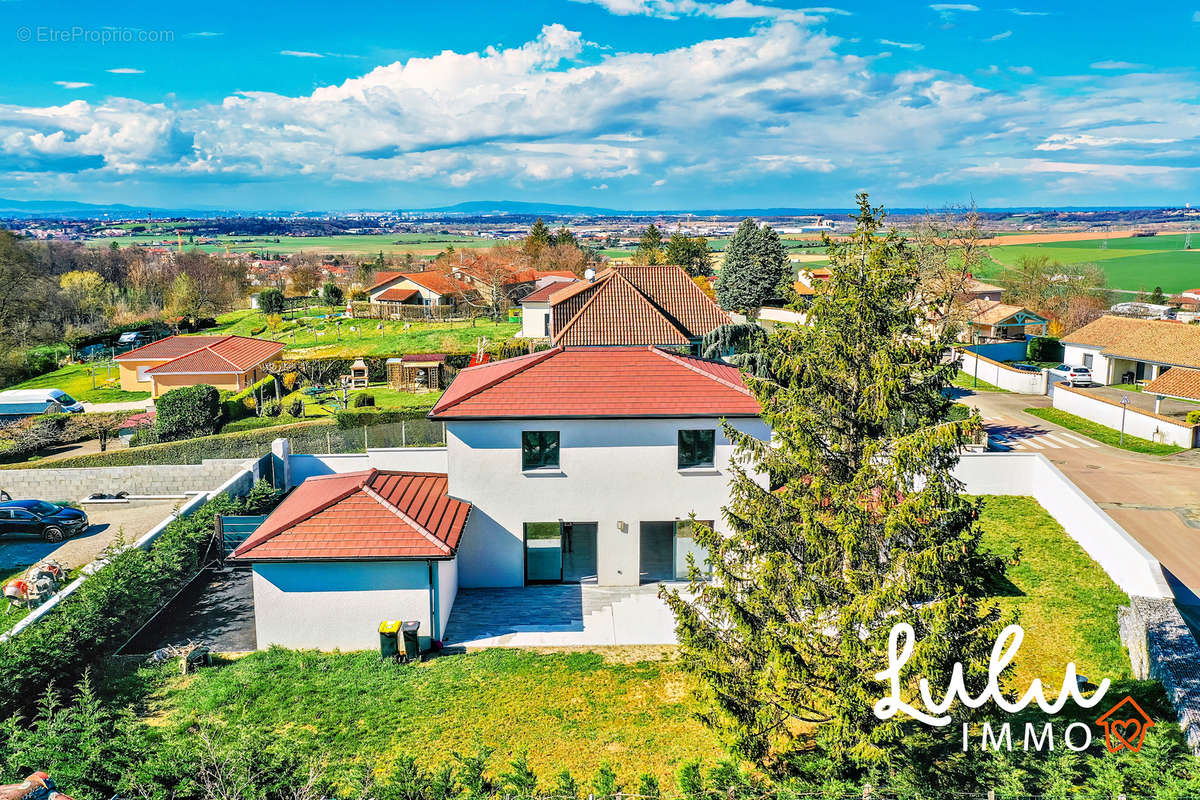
<point x="226" y="362"/>
<point x="430" y="288"/>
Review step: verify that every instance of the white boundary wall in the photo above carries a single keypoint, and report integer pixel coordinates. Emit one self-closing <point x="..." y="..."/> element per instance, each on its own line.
<point x="1120" y="555"/>
<point x="1137" y="422"/>
<point x="1005" y="377"/>
<point x="412" y="459"/>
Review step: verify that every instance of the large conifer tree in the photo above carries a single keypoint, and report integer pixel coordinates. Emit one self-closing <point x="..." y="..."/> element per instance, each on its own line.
<point x="862" y="526"/>
<point x="755" y="265"/>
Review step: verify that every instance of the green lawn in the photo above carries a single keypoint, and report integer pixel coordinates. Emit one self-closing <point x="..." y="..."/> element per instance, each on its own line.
<point x="385" y="398"/>
<point x="964" y="380"/>
<point x="311" y="337"/>
<point x="573" y="710"/>
<point x="1066" y="603"/>
<point x="1133" y="263"/>
<point x="366" y="245"/>
<point x="1103" y="433"/>
<point x="76" y="380"/>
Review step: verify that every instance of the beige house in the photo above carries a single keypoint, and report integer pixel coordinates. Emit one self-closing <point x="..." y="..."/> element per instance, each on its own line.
<point x="226" y="362"/>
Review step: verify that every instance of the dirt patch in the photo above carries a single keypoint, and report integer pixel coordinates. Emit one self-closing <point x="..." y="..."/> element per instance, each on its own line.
<point x="1039" y="238"/>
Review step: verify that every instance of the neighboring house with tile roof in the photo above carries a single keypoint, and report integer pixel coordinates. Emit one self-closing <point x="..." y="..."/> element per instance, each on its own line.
<point x="1126" y="349"/>
<point x="345" y="551"/>
<point x="634" y="305"/>
<point x="226" y="362"/>
<point x="535" y="309"/>
<point x="585" y="464"/>
<point x="993" y="321"/>
<point x="431" y="288"/>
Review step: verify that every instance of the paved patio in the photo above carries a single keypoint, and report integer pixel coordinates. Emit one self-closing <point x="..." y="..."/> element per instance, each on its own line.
<point x="216" y="609"/>
<point x="1144" y="401"/>
<point x="564" y="615"/>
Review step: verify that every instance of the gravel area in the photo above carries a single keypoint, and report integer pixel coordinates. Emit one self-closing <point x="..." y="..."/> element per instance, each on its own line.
<point x="130" y="519"/>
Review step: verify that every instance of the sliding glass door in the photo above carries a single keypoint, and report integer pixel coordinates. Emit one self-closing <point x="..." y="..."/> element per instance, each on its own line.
<point x="560" y="552"/>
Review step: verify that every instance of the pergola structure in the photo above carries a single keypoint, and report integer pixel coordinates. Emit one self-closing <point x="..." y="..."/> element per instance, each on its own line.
<point x="417" y="372"/>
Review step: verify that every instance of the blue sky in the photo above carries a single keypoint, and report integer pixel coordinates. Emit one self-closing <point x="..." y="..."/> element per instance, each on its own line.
<point x="618" y="103"/>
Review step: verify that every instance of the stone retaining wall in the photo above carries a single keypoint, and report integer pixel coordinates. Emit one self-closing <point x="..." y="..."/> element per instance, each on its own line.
<point x="75" y="483"/>
<point x="1162" y="647"/>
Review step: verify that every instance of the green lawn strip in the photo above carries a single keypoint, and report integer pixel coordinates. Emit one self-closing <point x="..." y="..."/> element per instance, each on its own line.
<point x="1103" y="433"/>
<point x="1066" y="603"/>
<point x="76" y="380"/>
<point x="574" y="711"/>
<point x="965" y="380"/>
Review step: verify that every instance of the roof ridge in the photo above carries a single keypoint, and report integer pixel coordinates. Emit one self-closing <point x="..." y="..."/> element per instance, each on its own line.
<point x="534" y="358"/>
<point x="313" y="511"/>
<point x="599" y="288"/>
<point x="218" y="355"/>
<point x="418" y="527"/>
<point x="662" y="311"/>
<point x="683" y="363"/>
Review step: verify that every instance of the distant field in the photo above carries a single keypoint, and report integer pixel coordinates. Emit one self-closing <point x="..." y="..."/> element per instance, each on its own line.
<point x="1130" y="263"/>
<point x="416" y="243"/>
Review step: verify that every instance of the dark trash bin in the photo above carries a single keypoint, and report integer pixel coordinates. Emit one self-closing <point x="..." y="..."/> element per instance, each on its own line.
<point x="389" y="631"/>
<point x="412" y="647"/>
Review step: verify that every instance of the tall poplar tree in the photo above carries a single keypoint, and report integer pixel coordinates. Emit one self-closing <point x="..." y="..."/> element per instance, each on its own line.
<point x="755" y="265"/>
<point x="860" y="525"/>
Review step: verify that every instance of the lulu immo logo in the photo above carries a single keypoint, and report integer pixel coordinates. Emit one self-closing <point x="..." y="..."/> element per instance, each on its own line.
<point x="1125" y="726"/>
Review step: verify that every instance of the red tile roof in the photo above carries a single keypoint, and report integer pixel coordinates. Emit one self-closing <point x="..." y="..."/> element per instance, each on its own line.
<point x="437" y="282"/>
<point x="382" y="278"/>
<point x="227" y="354"/>
<point x="634" y="305"/>
<point x="368" y="515"/>
<point x="397" y="295"/>
<point x="168" y="348"/>
<point x="598" y="382"/>
<point x="542" y="295"/>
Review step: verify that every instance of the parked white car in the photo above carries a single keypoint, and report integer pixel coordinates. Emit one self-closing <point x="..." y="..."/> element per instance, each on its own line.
<point x="1072" y="376"/>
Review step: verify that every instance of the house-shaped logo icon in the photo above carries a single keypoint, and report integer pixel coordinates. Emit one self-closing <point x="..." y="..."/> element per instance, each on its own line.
<point x="1125" y="726"/>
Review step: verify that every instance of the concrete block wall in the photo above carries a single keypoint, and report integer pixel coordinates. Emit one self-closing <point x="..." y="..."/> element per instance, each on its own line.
<point x="74" y="483"/>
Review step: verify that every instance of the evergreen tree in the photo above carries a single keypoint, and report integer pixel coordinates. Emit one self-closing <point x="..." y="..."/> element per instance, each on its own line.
<point x="755" y="265"/>
<point x="1157" y="296"/>
<point x="538" y="238"/>
<point x="690" y="253"/>
<point x="332" y="294"/>
<point x="862" y="526"/>
<point x="650" y="247"/>
<point x="564" y="236"/>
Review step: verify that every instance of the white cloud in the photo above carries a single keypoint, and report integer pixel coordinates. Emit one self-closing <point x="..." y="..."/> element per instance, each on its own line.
<point x="301" y="54"/>
<point x="902" y="45"/>
<point x="1020" y="12"/>
<point x="204" y="34"/>
<point x="660" y="182"/>
<point x="1022" y="69"/>
<point x="72" y="84"/>
<point x="732" y="9"/>
<point x="1116" y="65"/>
<point x="1074" y="141"/>
<point x="126" y="71"/>
<point x="600" y="186"/>
<point x="1196" y="16"/>
<point x="954" y="7"/>
<point x="999" y="36"/>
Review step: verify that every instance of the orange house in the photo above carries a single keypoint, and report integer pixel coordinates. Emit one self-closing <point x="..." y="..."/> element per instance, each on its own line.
<point x="226" y="362"/>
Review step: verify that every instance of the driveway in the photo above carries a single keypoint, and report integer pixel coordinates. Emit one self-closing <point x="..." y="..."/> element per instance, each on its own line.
<point x="562" y="615"/>
<point x="127" y="405"/>
<point x="130" y="519"/>
<point x="1155" y="498"/>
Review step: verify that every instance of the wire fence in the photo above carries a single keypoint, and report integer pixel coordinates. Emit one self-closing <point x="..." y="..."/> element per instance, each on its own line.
<point x="330" y="439"/>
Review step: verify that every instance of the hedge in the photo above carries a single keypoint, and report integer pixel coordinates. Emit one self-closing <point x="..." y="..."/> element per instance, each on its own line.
<point x="1193" y="417"/>
<point x="111" y="604"/>
<point x="349" y="419"/>
<point x="188" y="411"/>
<point x="242" y="404"/>
<point x="242" y="444"/>
<point x="1044" y="348"/>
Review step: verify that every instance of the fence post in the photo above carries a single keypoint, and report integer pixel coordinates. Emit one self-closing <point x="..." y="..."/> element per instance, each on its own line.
<point x="328" y="442"/>
<point x="991" y="794"/>
<point x="364" y="438"/>
<point x="404" y="433"/>
<point x="866" y="791"/>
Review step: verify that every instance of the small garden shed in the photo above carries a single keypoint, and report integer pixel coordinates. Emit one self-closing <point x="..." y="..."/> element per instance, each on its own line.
<point x="417" y="372"/>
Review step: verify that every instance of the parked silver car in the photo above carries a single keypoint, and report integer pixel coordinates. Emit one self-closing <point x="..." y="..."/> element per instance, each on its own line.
<point x="1072" y="376"/>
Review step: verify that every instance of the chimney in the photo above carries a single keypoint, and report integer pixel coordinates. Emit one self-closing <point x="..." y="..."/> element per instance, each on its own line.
<point x="589" y="274"/>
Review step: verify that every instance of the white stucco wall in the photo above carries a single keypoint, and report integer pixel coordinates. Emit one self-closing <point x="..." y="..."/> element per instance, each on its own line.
<point x="997" y="374"/>
<point x="1137" y="423"/>
<point x="447" y="589"/>
<point x="612" y="471"/>
<point x="411" y="459"/>
<point x="337" y="605"/>
<point x="533" y="320"/>
<point x="1073" y="355"/>
<point x="1120" y="555"/>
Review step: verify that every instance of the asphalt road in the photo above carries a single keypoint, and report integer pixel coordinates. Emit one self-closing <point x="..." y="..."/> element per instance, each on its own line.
<point x="1155" y="498"/>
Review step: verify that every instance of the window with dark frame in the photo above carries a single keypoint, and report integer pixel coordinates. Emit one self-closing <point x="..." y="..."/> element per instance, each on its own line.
<point x="539" y="449"/>
<point x="696" y="448"/>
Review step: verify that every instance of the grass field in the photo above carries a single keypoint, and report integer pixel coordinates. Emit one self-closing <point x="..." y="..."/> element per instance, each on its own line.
<point x="76" y="380"/>
<point x="963" y="380"/>
<point x="314" y="337"/>
<point x="1103" y="433"/>
<point x="1135" y="264"/>
<point x="581" y="710"/>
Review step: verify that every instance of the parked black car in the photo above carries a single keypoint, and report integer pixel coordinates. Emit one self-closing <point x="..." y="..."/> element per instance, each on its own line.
<point x="52" y="522"/>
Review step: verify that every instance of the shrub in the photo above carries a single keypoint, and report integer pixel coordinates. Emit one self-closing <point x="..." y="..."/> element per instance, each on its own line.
<point x="188" y="412"/>
<point x="270" y="301"/>
<point x="290" y="380"/>
<point x="359" y="418"/>
<point x="273" y="409"/>
<point x="1193" y="417"/>
<point x="296" y="408"/>
<point x="1043" y="348"/>
<point x="363" y="399"/>
<point x="258" y="330"/>
<point x="244" y="403"/>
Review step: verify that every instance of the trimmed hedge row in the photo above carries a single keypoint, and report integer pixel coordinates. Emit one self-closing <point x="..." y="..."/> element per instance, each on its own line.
<point x="241" y="444"/>
<point x="352" y="418"/>
<point x="243" y="404"/>
<point x="117" y="600"/>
